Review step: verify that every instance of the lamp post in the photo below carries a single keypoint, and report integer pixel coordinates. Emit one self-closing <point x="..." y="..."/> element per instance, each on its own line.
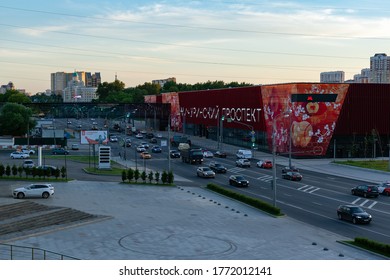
<point x="169" y="143"/>
<point x="285" y="114"/>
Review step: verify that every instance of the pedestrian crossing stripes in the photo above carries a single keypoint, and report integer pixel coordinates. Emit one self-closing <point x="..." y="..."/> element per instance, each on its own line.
<point x="308" y="189"/>
<point x="265" y="178"/>
<point x="366" y="202"/>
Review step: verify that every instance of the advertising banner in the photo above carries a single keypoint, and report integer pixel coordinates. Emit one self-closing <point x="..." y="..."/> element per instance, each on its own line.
<point x="98" y="137"/>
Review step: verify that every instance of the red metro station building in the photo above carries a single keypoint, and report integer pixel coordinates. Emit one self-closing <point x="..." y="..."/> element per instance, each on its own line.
<point x="353" y="120"/>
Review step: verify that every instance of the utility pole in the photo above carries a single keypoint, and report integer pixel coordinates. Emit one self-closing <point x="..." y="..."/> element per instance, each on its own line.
<point x="274" y="162"/>
<point x="169" y="143"/>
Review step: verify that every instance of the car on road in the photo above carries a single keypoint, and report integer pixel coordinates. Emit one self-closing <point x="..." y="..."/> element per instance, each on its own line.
<point x="158" y="135"/>
<point x="28" y="151"/>
<point x="149" y="135"/>
<point x="17" y="154"/>
<point x="264" y="164"/>
<point x="207" y="154"/>
<point x="288" y="169"/>
<point x="48" y="167"/>
<point x="146" y="155"/>
<point x="113" y="138"/>
<point x="292" y="175"/>
<point x="28" y="163"/>
<point x="353" y="213"/>
<point x="220" y="154"/>
<point x="128" y="142"/>
<point x="238" y="181"/>
<point x="153" y="140"/>
<point x="34" y="190"/>
<point x="139" y="136"/>
<point x="384" y="188"/>
<point x="174" y="154"/>
<point x="145" y="144"/>
<point x="243" y="162"/>
<point x="141" y="149"/>
<point x="75" y="147"/>
<point x="59" y="151"/>
<point x="365" y="190"/>
<point x="217" y="167"/>
<point x="205" y="172"/>
<point x="156" y="149"/>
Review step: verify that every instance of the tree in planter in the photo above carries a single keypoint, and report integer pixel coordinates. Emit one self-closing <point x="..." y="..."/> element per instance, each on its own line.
<point x="136" y="175"/>
<point x="170" y="177"/>
<point x="130" y="174"/>
<point x="150" y="176"/>
<point x="27" y="171"/>
<point x="14" y="170"/>
<point x="157" y="177"/>
<point x="124" y="175"/>
<point x="57" y="173"/>
<point x="8" y="170"/>
<point x="20" y="171"/>
<point x="2" y="170"/>
<point x="63" y="172"/>
<point x="164" y="177"/>
<point x="34" y="171"/>
<point x="143" y="176"/>
<point x="47" y="173"/>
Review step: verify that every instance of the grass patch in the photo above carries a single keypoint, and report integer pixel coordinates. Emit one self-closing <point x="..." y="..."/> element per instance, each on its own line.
<point x="112" y="171"/>
<point x="382" y="165"/>
<point x="373" y="246"/>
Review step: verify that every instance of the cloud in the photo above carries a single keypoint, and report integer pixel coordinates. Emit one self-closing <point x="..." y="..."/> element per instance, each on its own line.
<point x="39" y="31"/>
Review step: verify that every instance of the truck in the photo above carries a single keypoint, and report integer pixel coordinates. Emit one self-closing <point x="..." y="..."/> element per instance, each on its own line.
<point x="177" y="139"/>
<point x="192" y="155"/>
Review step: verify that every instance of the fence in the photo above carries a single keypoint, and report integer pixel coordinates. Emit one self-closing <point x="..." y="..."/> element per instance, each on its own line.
<point x="15" y="252"/>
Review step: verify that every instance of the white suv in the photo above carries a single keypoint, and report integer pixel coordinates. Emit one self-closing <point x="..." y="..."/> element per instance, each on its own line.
<point x="34" y="190"/>
<point x="28" y="163"/>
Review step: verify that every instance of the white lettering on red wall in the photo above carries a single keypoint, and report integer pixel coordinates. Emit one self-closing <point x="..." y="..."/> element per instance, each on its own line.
<point x="250" y="115"/>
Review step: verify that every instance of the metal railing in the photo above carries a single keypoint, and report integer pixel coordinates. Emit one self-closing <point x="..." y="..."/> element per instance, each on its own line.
<point x="15" y="252"/>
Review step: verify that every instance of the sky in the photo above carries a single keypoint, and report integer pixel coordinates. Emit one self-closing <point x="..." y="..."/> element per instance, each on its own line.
<point x="258" y="42"/>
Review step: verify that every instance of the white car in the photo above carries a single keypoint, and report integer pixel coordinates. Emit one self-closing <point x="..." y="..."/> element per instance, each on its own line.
<point x="141" y="149"/>
<point x="208" y="154"/>
<point x="34" y="190"/>
<point x="28" y="163"/>
<point x="28" y="151"/>
<point x="243" y="162"/>
<point x="139" y="136"/>
<point x="19" y="155"/>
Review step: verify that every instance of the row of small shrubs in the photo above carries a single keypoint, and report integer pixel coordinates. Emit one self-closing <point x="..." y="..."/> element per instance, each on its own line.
<point x="30" y="171"/>
<point x="377" y="247"/>
<point x="257" y="203"/>
<point x="133" y="175"/>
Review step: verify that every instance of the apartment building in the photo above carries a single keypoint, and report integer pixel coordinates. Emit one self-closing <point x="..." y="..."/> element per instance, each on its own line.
<point x="76" y="91"/>
<point x="60" y="80"/>
<point x="380" y="68"/>
<point x="332" y="77"/>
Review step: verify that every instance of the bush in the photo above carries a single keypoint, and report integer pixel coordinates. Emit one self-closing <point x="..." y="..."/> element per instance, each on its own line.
<point x="136" y="175"/>
<point x="130" y="174"/>
<point x="164" y="177"/>
<point x="20" y="171"/>
<point x="157" y="177"/>
<point x="124" y="175"/>
<point x="63" y="172"/>
<point x="170" y="177"/>
<point x="380" y="248"/>
<point x="143" y="176"/>
<point x="259" y="204"/>
<point x="150" y="176"/>
<point x="8" y="170"/>
<point x="14" y="170"/>
<point x="2" y="170"/>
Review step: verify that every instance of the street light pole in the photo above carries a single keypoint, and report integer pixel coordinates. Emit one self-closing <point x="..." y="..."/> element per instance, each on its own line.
<point x="169" y="143"/>
<point x="274" y="162"/>
<point x="290" y="143"/>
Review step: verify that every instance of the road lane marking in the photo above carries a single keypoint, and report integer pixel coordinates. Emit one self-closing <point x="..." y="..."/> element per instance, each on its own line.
<point x="356" y="200"/>
<point x="364" y="202"/>
<point x="372" y="205"/>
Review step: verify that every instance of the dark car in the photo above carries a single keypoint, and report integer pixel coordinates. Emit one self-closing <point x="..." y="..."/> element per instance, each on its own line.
<point x="288" y="169"/>
<point x="217" y="167"/>
<point x="293" y="176"/>
<point x="156" y="149"/>
<point x="238" y="181"/>
<point x="220" y="154"/>
<point x="149" y="135"/>
<point x="365" y="190"/>
<point x="59" y="151"/>
<point x="174" y="154"/>
<point x="353" y="213"/>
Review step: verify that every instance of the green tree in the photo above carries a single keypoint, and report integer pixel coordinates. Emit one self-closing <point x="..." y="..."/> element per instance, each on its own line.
<point x="14" y="170"/>
<point x="164" y="177"/>
<point x="143" y="176"/>
<point x="105" y="90"/>
<point x="19" y="98"/>
<point x="2" y="170"/>
<point x="63" y="172"/>
<point x="34" y="171"/>
<point x="20" y="170"/>
<point x="136" y="175"/>
<point x="57" y="173"/>
<point x="157" y="177"/>
<point x="150" y="176"/>
<point x="15" y="119"/>
<point x="8" y="170"/>
<point x="130" y="174"/>
<point x="151" y="89"/>
<point x="170" y="177"/>
<point x="124" y="175"/>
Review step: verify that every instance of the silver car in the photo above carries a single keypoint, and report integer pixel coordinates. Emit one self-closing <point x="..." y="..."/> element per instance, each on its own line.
<point x="19" y="155"/>
<point x="243" y="162"/>
<point x="205" y="172"/>
<point x="34" y="190"/>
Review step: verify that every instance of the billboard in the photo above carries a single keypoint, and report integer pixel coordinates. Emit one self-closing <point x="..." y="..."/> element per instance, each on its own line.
<point x="94" y="137"/>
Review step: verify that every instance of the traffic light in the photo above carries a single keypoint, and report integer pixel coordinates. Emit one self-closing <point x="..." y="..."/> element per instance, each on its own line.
<point x="304" y="97"/>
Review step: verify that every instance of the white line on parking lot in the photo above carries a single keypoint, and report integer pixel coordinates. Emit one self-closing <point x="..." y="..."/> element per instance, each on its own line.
<point x="372" y="205"/>
<point x="356" y="200"/>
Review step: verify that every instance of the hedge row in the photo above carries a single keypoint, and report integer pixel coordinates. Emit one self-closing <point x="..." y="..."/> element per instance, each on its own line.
<point x="380" y="248"/>
<point x="30" y="171"/>
<point x="257" y="203"/>
<point x="133" y="175"/>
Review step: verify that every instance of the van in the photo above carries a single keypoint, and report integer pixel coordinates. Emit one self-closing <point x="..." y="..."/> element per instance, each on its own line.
<point x="183" y="146"/>
<point x="244" y="154"/>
